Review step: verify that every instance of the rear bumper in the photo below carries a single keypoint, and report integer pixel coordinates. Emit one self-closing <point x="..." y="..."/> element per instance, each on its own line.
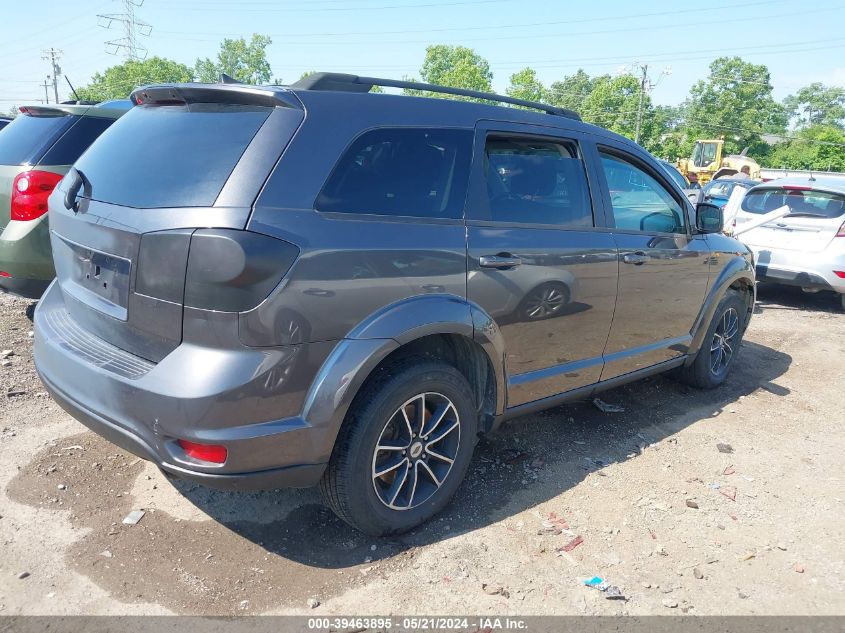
<point x="145" y="407"/>
<point x="25" y="254"/>
<point x="28" y="288"/>
<point x="813" y="271"/>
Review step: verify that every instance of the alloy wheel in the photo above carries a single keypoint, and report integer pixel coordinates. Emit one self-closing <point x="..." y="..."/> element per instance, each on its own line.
<point x="724" y="340"/>
<point x="415" y="451"/>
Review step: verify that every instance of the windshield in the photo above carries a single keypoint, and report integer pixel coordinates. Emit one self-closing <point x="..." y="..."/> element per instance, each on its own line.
<point x="25" y="139"/>
<point x="800" y="202"/>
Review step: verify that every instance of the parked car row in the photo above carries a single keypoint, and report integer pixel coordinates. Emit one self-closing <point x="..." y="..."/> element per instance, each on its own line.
<point x="36" y="151"/>
<point x="287" y="286"/>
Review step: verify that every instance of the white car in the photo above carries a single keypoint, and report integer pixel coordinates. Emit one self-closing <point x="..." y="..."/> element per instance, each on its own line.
<point x="806" y="248"/>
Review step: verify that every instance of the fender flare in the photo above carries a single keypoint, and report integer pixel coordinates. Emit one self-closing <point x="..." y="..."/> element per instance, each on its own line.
<point x="738" y="269"/>
<point x="355" y="356"/>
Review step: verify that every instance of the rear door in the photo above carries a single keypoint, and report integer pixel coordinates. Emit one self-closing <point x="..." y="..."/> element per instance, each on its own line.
<point x="160" y="172"/>
<point x="663" y="267"/>
<point x="537" y="263"/>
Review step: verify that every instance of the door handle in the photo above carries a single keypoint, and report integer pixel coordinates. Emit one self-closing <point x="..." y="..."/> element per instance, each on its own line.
<point x="503" y="261"/>
<point x="637" y="259"/>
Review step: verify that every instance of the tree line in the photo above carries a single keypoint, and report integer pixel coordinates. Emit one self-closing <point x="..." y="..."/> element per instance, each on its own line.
<point x="734" y="101"/>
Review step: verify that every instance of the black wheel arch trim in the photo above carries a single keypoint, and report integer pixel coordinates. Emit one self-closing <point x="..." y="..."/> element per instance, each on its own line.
<point x="739" y="269"/>
<point x="355" y="356"/>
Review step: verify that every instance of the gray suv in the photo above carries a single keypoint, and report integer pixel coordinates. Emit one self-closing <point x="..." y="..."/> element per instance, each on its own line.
<point x="261" y="287"/>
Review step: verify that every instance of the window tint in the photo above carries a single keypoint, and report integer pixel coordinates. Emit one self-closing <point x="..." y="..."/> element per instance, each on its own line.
<point x="674" y="174"/>
<point x="409" y="171"/>
<point x="807" y="203"/>
<point x="170" y="156"/>
<point x="536" y="182"/>
<point x="25" y="139"/>
<point x="75" y="141"/>
<point x="640" y="202"/>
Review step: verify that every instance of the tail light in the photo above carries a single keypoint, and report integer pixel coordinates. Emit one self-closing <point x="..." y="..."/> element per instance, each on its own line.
<point x="30" y="190"/>
<point x="234" y="271"/>
<point x="841" y="231"/>
<point x="214" y="453"/>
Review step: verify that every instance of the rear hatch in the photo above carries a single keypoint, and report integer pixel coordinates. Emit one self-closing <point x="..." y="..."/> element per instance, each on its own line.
<point x="25" y="141"/>
<point x="815" y="218"/>
<point x="121" y="222"/>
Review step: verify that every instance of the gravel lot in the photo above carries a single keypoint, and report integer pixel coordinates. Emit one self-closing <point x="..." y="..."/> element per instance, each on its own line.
<point x="676" y="524"/>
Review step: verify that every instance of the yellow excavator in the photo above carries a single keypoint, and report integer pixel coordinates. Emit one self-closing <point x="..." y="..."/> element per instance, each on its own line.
<point x="707" y="163"/>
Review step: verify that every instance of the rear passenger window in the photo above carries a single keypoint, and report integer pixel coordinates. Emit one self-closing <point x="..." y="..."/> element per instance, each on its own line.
<point x="403" y="172"/>
<point x="536" y="182"/>
<point x="75" y="141"/>
<point x="639" y="201"/>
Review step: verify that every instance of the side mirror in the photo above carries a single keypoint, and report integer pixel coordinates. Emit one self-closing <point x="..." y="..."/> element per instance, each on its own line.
<point x="708" y="218"/>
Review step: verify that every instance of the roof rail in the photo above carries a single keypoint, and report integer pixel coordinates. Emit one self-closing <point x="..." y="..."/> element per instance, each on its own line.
<point x="353" y="83"/>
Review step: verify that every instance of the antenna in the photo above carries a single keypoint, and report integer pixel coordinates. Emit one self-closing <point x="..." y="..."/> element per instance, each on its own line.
<point x="132" y="27"/>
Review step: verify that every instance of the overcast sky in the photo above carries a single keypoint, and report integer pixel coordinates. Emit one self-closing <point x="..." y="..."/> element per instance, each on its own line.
<point x="800" y="42"/>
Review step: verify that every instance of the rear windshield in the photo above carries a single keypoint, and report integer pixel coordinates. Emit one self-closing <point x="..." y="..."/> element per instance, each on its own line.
<point x="806" y="203"/>
<point x="75" y="141"/>
<point x="170" y="156"/>
<point x="25" y="139"/>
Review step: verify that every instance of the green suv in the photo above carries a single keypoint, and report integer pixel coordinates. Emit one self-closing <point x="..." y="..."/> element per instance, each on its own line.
<point x="36" y="150"/>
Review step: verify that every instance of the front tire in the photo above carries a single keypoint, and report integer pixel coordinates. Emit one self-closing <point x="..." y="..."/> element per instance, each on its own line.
<point x="713" y="362"/>
<point x="403" y="449"/>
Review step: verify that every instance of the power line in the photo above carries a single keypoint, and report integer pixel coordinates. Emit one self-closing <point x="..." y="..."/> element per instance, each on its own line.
<point x="132" y="28"/>
<point x="273" y="7"/>
<point x="614" y="18"/>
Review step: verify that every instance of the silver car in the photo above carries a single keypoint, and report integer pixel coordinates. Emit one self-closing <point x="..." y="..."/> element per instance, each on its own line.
<point x="807" y="247"/>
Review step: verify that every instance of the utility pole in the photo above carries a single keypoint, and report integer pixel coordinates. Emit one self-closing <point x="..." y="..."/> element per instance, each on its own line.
<point x="46" y="85"/>
<point x="53" y="55"/>
<point x="132" y="28"/>
<point x="646" y="86"/>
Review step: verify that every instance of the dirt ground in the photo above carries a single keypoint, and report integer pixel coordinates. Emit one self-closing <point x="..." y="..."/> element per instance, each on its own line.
<point x="661" y="513"/>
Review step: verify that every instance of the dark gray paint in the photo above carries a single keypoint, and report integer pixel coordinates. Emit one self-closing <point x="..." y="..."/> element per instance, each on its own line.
<point x="274" y="383"/>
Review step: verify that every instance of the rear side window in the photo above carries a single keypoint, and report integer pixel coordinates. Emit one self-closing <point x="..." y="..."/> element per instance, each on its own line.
<point x="26" y="138"/>
<point x="75" y="141"/>
<point x="536" y="182"/>
<point x="402" y="172"/>
<point x="800" y="202"/>
<point x="170" y="156"/>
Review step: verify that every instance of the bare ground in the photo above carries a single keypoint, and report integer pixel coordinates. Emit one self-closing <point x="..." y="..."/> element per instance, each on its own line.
<point x="767" y="535"/>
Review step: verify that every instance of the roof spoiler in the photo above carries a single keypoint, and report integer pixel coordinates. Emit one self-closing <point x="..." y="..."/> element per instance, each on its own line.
<point x="42" y="110"/>
<point x="231" y="94"/>
<point x="353" y="83"/>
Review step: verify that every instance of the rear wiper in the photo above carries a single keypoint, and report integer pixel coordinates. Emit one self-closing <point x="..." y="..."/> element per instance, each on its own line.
<point x="76" y="181"/>
<point x="806" y="214"/>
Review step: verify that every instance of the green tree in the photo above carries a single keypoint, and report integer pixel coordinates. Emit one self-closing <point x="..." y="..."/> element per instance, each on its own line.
<point x="818" y="147"/>
<point x="246" y="62"/>
<point x="118" y="81"/>
<point x="734" y="101"/>
<point x="817" y="104"/>
<point x="454" y="66"/>
<point x="525" y="85"/>
<point x="612" y="103"/>
<point x="571" y="91"/>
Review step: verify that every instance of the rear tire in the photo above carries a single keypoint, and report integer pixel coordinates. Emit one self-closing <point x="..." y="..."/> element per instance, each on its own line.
<point x="842" y="302"/>
<point x="712" y="364"/>
<point x="398" y="426"/>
